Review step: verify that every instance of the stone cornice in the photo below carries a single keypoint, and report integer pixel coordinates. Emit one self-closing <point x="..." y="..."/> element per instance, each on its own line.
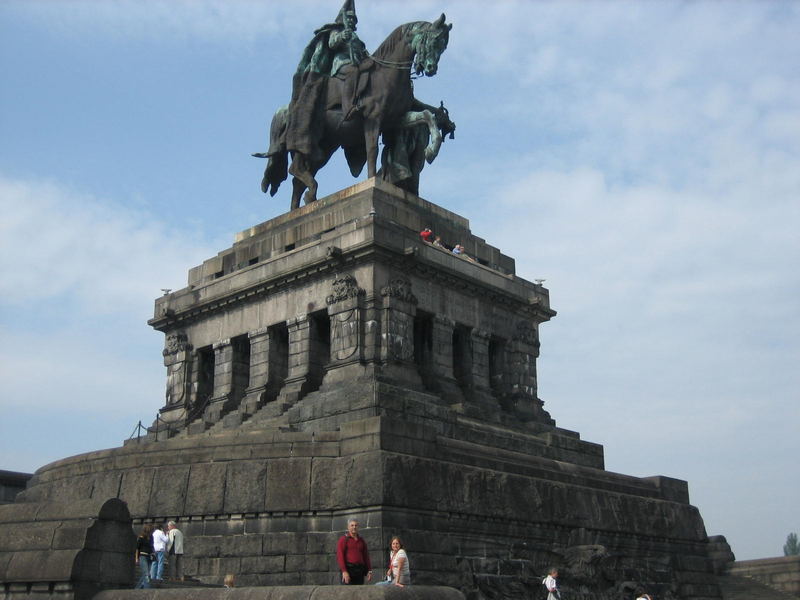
<point x="407" y="260"/>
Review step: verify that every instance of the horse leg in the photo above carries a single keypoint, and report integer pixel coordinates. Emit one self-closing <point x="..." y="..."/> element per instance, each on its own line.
<point x="311" y="193"/>
<point x="298" y="187"/>
<point x="299" y="172"/>
<point x="302" y="172"/>
<point x="425" y="117"/>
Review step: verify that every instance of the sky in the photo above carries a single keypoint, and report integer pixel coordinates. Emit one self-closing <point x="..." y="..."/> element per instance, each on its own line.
<point x="641" y="157"/>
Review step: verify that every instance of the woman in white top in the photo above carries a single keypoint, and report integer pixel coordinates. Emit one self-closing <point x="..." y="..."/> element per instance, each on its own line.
<point x="551" y="584"/>
<point x="398" y="573"/>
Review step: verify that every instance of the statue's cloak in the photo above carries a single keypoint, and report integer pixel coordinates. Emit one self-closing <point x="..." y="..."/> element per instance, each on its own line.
<point x="309" y="93"/>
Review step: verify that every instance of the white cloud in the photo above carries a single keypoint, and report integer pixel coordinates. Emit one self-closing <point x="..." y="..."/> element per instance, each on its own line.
<point x="79" y="279"/>
<point x="182" y="19"/>
<point x="108" y="258"/>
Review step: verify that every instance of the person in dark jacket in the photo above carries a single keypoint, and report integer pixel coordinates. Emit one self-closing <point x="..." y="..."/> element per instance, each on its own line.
<point x="144" y="555"/>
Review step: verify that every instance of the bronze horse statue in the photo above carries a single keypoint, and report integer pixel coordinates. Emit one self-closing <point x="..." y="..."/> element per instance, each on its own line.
<point x="386" y="106"/>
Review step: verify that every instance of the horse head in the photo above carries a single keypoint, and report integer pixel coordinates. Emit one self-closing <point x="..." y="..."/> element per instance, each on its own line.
<point x="429" y="41"/>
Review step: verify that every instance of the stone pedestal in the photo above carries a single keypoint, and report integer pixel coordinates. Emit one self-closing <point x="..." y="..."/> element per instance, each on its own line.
<point x="405" y="395"/>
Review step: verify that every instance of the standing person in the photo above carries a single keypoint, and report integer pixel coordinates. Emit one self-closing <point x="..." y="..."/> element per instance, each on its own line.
<point x="399" y="573"/>
<point x="144" y="554"/>
<point x="426" y="235"/>
<point x="175" y="550"/>
<point x="641" y="595"/>
<point x="160" y="540"/>
<point x="352" y="556"/>
<point x="551" y="585"/>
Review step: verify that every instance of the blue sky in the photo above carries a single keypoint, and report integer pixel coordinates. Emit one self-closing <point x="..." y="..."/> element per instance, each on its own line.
<point x="643" y="158"/>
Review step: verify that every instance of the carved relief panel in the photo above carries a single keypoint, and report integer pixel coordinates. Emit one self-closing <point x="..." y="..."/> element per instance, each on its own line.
<point x="397" y="327"/>
<point x="344" y="309"/>
<point x="176" y="359"/>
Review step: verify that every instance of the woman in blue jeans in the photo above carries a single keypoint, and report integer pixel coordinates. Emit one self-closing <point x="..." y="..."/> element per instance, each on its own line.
<point x="160" y="541"/>
<point x="144" y="554"/>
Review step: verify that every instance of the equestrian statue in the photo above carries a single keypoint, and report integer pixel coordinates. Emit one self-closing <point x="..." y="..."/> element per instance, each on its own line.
<point x="345" y="97"/>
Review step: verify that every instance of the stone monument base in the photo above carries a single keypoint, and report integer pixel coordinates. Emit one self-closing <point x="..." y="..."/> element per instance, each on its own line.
<point x="330" y="365"/>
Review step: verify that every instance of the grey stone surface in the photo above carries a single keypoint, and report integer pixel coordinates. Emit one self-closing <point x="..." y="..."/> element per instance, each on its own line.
<point x="66" y="550"/>
<point x="311" y="592"/>
<point x="11" y="484"/>
<point x="781" y="573"/>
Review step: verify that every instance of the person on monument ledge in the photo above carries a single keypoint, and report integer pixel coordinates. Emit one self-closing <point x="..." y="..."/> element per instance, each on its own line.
<point x="332" y="59"/>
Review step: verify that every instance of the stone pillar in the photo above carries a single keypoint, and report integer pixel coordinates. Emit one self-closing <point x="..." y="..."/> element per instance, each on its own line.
<point x="177" y="360"/>
<point x="345" y="309"/>
<point x="397" y="310"/>
<point x="397" y="321"/>
<point x="522" y="351"/>
<point x="255" y="394"/>
<point x="471" y="370"/>
<point x="480" y="360"/>
<point x="443" y="346"/>
<point x="441" y="369"/>
<point x="299" y="366"/>
<point x="347" y="344"/>
<point x="222" y="399"/>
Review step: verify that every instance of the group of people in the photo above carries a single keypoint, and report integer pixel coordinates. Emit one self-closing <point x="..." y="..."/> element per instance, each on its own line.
<point x="551" y="585"/>
<point x="352" y="557"/>
<point x="427" y="236"/>
<point x="153" y="546"/>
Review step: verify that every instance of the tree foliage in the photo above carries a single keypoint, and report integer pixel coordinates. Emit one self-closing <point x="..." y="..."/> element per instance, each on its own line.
<point x="792" y="546"/>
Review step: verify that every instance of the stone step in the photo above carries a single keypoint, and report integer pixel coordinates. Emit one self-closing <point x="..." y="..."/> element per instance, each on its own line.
<point x="187" y="583"/>
<point x="736" y="587"/>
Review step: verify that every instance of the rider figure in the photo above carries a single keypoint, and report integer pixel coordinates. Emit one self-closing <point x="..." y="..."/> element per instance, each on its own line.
<point x="332" y="57"/>
<point x="348" y="52"/>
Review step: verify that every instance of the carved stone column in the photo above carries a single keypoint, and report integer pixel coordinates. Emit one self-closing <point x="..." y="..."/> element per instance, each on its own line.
<point x="345" y="309"/>
<point x="480" y="360"/>
<point x="255" y="394"/>
<point x="177" y="360"/>
<point x="443" y="346"/>
<point x="398" y="307"/>
<point x="522" y="351"/>
<point x="441" y="377"/>
<point x="397" y="322"/>
<point x="222" y="399"/>
<point x="299" y="372"/>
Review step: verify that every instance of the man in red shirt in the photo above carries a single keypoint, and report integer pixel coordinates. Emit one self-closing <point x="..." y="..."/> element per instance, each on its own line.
<point x="426" y="235"/>
<point x="353" y="556"/>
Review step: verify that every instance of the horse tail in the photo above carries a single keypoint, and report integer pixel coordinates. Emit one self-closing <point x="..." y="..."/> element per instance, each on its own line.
<point x="278" y="164"/>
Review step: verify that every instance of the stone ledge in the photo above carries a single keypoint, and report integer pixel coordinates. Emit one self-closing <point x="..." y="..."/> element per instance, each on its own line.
<point x="301" y="592"/>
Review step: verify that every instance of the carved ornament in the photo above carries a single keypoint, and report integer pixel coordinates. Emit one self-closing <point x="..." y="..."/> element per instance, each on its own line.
<point x="344" y="287"/>
<point x="176" y="342"/>
<point x="399" y="288"/>
<point x="525" y="333"/>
